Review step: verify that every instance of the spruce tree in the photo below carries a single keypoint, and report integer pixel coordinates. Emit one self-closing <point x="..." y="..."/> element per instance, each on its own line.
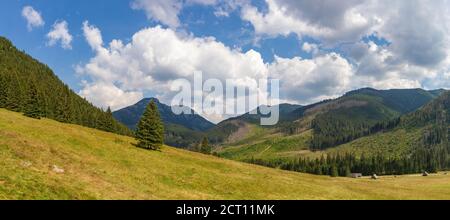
<point x="109" y="120"/>
<point x="348" y="171"/>
<point x="334" y="171"/>
<point x="12" y="95"/>
<point x="2" y="91"/>
<point x="205" y="147"/>
<point x="32" y="107"/>
<point x="150" y="130"/>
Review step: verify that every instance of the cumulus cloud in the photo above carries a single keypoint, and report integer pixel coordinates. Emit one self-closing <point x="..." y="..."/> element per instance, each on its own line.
<point x="93" y="36"/>
<point x="331" y="21"/>
<point x="414" y="53"/>
<point x="60" y="33"/>
<point x="108" y="95"/>
<point x="417" y="33"/>
<point x="156" y="57"/>
<point x="310" y="80"/>
<point x="33" y="17"/>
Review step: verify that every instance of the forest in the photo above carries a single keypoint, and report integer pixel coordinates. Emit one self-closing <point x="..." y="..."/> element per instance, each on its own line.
<point x="30" y="87"/>
<point x="431" y="154"/>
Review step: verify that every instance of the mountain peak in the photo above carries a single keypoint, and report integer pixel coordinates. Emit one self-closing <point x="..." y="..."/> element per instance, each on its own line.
<point x="131" y="115"/>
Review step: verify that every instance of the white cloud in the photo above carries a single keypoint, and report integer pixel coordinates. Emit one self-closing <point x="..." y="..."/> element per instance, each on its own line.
<point x="418" y="30"/>
<point x="156" y="57"/>
<point x="224" y="8"/>
<point x="33" y="17"/>
<point x="309" y="80"/>
<point x="328" y="20"/>
<point x="310" y="48"/>
<point x="108" y="95"/>
<point x="418" y="33"/>
<point x="60" y="33"/>
<point x="415" y="55"/>
<point x="93" y="36"/>
<point x="166" y="11"/>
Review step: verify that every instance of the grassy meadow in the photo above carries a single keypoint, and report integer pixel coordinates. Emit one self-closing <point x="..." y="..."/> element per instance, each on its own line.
<point x="44" y="159"/>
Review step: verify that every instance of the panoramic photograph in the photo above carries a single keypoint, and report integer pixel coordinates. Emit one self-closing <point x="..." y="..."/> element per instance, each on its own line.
<point x="225" y="100"/>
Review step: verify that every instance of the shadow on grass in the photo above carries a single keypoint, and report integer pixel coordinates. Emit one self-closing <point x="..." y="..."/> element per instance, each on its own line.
<point x="145" y="148"/>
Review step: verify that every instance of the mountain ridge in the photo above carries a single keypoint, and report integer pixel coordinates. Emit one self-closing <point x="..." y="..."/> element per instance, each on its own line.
<point x="130" y="116"/>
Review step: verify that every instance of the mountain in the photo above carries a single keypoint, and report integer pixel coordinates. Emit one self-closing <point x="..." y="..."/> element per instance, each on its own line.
<point x="285" y="111"/>
<point x="419" y="141"/>
<point x="360" y="112"/>
<point x="426" y="128"/>
<point x="26" y="85"/>
<point x="400" y="100"/>
<point x="238" y="128"/>
<point x="351" y="123"/>
<point x="412" y="142"/>
<point x="334" y="121"/>
<point x="130" y="116"/>
<point x="45" y="159"/>
<point x="184" y="131"/>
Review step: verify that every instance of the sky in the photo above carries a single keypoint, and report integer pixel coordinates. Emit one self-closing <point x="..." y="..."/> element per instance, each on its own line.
<point x="116" y="52"/>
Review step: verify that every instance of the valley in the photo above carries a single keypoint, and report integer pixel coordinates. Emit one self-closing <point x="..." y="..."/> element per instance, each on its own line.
<point x="67" y="148"/>
<point x="100" y="165"/>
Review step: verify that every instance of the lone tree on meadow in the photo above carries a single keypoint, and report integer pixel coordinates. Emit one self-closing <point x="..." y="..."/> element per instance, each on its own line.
<point x="150" y="130"/>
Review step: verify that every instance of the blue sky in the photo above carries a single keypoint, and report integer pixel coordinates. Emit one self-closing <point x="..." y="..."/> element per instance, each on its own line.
<point x="119" y="21"/>
<point x="318" y="49"/>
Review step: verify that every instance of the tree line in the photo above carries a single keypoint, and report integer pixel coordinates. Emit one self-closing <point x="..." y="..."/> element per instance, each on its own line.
<point x="432" y="160"/>
<point x="30" y="87"/>
<point x="430" y="154"/>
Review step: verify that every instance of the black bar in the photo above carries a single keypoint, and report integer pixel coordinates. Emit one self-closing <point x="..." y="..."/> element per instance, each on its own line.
<point x="224" y="209"/>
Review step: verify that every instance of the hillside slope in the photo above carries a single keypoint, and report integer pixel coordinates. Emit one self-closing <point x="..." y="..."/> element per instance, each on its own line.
<point x="100" y="165"/>
<point x="340" y="125"/>
<point x="362" y="112"/>
<point x="333" y="122"/>
<point x="246" y="128"/>
<point x="28" y="85"/>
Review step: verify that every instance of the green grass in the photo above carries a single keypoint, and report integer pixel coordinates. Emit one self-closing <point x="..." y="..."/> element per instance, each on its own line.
<point x="270" y="148"/>
<point x="277" y="147"/>
<point x="100" y="165"/>
<point x="391" y="144"/>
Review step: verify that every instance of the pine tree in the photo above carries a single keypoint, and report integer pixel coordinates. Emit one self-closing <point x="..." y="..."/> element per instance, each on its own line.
<point x="32" y="107"/>
<point x="109" y="125"/>
<point x="348" y="171"/>
<point x="205" y="147"/>
<point x="12" y="94"/>
<point x="2" y="91"/>
<point x="334" y="171"/>
<point x="150" y="130"/>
